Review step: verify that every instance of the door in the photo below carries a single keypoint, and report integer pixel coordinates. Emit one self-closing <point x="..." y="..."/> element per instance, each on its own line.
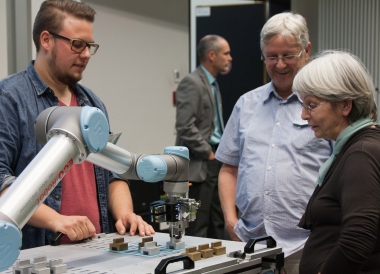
<point x="240" y="23"/>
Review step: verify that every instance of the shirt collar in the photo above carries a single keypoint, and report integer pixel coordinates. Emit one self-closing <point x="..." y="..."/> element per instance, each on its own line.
<point x="40" y="85"/>
<point x="271" y="93"/>
<point x="210" y="78"/>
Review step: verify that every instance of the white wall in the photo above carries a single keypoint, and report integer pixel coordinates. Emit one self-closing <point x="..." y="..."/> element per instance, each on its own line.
<point x="141" y="44"/>
<point x="35" y="7"/>
<point x="309" y="10"/>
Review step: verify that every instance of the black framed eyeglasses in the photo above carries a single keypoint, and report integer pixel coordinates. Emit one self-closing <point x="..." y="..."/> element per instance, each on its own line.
<point x="78" y="45"/>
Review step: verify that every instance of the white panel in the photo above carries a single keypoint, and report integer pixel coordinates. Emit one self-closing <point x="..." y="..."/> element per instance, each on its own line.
<point x="141" y="44"/>
<point x="354" y="26"/>
<point x="35" y="7"/>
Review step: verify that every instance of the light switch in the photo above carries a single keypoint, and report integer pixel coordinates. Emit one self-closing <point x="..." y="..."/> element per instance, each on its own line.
<point x="176" y="76"/>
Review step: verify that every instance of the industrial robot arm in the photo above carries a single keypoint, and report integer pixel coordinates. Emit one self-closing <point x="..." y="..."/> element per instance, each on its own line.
<point x="71" y="135"/>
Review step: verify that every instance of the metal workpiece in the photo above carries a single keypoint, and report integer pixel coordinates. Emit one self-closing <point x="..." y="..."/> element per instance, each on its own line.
<point x="175" y="244"/>
<point x="150" y="248"/>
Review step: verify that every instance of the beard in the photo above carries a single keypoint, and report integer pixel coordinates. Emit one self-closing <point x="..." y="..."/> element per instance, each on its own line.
<point x="61" y="75"/>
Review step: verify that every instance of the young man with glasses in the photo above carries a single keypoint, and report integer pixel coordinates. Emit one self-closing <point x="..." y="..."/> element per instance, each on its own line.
<point x="83" y="203"/>
<point x="270" y="155"/>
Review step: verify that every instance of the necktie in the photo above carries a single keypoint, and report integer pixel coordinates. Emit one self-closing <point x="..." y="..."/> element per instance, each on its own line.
<point x="218" y="102"/>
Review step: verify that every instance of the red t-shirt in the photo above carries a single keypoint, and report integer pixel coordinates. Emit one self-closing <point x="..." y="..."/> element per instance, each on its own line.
<point x="79" y="193"/>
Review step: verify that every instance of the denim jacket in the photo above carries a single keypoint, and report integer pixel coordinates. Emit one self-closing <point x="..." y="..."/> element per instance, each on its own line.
<point x="23" y="96"/>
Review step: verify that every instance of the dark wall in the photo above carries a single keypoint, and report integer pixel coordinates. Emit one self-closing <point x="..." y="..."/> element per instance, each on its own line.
<point x="240" y="25"/>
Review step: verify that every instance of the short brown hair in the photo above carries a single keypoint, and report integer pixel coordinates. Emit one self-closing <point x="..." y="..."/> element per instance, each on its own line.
<point x="53" y="12"/>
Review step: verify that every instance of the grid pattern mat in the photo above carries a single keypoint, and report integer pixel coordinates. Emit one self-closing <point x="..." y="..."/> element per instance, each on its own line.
<point x="102" y="243"/>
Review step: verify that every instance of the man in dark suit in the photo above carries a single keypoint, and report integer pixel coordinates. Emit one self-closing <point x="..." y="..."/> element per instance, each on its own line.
<point x="199" y="125"/>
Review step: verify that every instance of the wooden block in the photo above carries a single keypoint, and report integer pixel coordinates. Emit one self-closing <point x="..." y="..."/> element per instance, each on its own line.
<point x="207" y="253"/>
<point x="118" y="240"/>
<point x="123" y="246"/>
<point x="215" y="244"/>
<point x="204" y="246"/>
<point x="191" y="249"/>
<point x="194" y="256"/>
<point x="147" y="239"/>
<point x="119" y="246"/>
<point x="219" y="250"/>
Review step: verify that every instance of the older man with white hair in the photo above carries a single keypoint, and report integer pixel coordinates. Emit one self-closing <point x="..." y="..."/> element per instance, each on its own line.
<point x="270" y="155"/>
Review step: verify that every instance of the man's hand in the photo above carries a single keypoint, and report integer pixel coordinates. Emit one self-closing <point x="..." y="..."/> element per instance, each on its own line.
<point x="134" y="222"/>
<point x="120" y="204"/>
<point x="230" y="229"/>
<point x="75" y="227"/>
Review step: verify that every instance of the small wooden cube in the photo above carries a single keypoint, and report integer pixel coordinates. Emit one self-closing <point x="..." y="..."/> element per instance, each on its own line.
<point x="191" y="249"/>
<point x="215" y="244"/>
<point x="219" y="250"/>
<point x="119" y="246"/>
<point x="147" y="239"/>
<point x="204" y="246"/>
<point x="207" y="253"/>
<point x="118" y="240"/>
<point x="194" y="256"/>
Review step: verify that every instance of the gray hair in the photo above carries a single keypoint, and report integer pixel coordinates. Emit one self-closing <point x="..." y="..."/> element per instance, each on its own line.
<point x="208" y="43"/>
<point x="337" y="76"/>
<point x="285" y="24"/>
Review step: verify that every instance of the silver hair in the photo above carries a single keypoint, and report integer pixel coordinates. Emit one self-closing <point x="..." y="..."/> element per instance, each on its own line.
<point x="337" y="76"/>
<point x="287" y="24"/>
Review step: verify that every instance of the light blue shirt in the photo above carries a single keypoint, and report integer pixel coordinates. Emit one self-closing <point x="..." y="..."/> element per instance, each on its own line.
<point x="278" y="159"/>
<point x="216" y="136"/>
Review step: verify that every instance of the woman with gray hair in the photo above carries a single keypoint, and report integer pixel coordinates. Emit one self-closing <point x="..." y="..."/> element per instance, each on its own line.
<point x="343" y="213"/>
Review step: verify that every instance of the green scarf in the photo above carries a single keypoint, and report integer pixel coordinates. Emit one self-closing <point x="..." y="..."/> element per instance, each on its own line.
<point x="340" y="141"/>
